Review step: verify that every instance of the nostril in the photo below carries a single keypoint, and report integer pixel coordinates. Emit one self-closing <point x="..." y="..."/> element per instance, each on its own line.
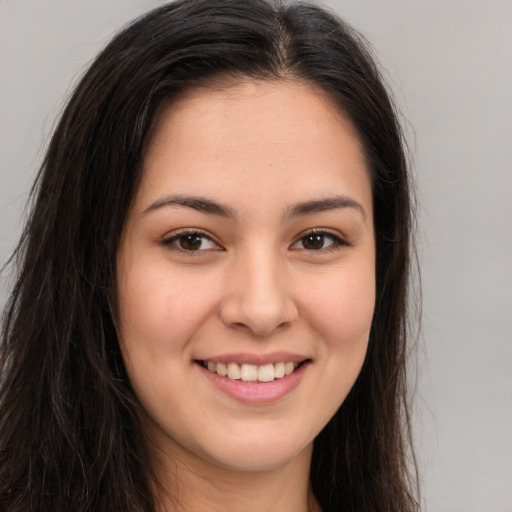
<point x="262" y="314"/>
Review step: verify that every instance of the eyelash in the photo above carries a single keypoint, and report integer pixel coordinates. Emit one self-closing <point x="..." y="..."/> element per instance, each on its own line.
<point x="337" y="241"/>
<point x="173" y="241"/>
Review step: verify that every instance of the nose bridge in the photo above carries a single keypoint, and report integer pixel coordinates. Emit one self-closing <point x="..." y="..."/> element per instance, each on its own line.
<point x="258" y="295"/>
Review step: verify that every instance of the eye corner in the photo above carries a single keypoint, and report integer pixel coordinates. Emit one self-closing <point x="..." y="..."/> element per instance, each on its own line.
<point x="190" y="242"/>
<point x="320" y="241"/>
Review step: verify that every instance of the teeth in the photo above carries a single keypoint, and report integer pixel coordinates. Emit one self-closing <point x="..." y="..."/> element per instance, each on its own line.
<point x="266" y="373"/>
<point x="288" y="368"/>
<point x="252" y="372"/>
<point x="279" y="370"/>
<point x="222" y="369"/>
<point x="249" y="372"/>
<point x="233" y="371"/>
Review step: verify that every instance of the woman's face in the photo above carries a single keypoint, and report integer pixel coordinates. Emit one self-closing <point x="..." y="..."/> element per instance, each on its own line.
<point x="246" y="274"/>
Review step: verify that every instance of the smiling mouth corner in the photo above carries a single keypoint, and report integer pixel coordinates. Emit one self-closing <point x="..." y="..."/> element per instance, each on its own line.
<point x="251" y="372"/>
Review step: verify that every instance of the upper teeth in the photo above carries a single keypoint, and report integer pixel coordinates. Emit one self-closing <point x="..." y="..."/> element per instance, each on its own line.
<point x="252" y="372"/>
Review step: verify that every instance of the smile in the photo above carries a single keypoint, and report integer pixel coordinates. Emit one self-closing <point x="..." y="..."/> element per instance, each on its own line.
<point x="251" y="372"/>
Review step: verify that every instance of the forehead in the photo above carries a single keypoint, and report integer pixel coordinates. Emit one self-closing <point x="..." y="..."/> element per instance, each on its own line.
<point x="225" y="98"/>
<point x="286" y="135"/>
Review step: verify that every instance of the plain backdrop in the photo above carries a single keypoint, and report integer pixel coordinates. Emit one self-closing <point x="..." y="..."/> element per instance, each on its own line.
<point x="450" y="65"/>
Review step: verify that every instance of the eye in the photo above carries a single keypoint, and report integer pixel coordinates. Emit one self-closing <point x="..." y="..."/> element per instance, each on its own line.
<point x="319" y="240"/>
<point x="190" y="241"/>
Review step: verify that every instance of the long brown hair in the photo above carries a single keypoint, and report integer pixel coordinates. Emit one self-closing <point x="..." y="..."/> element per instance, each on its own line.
<point x="70" y="436"/>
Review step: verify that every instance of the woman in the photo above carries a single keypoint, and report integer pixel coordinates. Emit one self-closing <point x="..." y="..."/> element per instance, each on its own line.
<point x="210" y="311"/>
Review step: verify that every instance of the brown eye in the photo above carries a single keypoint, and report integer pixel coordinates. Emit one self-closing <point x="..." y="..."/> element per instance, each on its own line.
<point x="318" y="241"/>
<point x="313" y="242"/>
<point x="190" y="242"/>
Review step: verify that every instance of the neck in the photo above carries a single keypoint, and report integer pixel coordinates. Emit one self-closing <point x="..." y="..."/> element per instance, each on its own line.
<point x="194" y="486"/>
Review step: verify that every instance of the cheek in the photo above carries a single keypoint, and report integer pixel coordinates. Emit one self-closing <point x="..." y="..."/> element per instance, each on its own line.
<point x="341" y="308"/>
<point x="158" y="316"/>
<point x="338" y="308"/>
<point x="160" y="310"/>
<point x="157" y="307"/>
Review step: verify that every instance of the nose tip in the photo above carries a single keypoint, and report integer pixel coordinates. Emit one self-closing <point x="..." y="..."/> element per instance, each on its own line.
<point x="259" y="301"/>
<point x="261" y="319"/>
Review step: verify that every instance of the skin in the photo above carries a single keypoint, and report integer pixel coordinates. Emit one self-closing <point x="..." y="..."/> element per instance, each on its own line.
<point x="251" y="283"/>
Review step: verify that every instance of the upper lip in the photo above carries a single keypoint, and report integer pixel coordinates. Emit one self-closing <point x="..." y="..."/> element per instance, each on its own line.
<point x="256" y="359"/>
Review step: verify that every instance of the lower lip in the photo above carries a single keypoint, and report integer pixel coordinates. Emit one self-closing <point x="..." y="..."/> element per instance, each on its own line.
<point x="256" y="392"/>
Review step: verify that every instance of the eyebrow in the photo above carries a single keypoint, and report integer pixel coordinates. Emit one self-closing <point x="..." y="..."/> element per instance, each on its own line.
<point x="326" y="204"/>
<point x="209" y="206"/>
<point x="201" y="204"/>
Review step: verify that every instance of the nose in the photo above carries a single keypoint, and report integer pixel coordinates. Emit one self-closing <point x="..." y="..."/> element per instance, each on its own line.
<point x="258" y="295"/>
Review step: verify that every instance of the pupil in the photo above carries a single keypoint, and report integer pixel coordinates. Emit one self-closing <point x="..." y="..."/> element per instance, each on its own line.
<point x="314" y="242"/>
<point x="191" y="242"/>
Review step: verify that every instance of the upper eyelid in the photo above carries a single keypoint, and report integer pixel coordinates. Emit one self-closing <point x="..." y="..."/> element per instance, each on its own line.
<point x="197" y="231"/>
<point x="321" y="231"/>
<point x="173" y="235"/>
<point x="187" y="231"/>
<point x="338" y="239"/>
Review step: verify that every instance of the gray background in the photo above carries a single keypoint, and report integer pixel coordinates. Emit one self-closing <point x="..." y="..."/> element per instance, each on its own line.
<point x="450" y="64"/>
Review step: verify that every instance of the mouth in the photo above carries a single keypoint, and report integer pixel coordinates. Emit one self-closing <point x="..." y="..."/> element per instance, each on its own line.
<point x="250" y="372"/>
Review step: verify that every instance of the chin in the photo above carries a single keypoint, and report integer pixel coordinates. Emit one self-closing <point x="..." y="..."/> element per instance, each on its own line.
<point x="261" y="456"/>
